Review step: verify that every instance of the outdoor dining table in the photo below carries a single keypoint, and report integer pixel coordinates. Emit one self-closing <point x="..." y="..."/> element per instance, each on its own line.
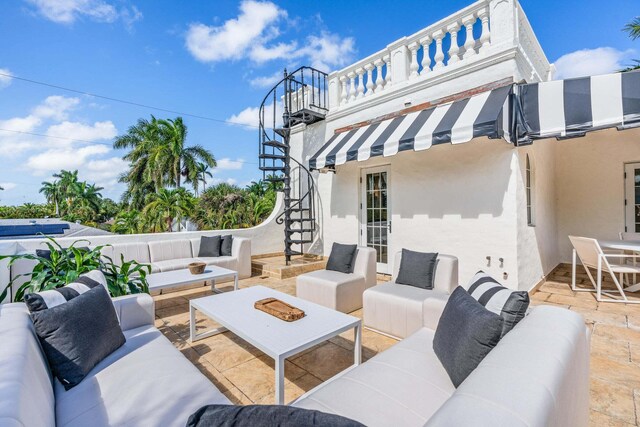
<point x="624" y="245"/>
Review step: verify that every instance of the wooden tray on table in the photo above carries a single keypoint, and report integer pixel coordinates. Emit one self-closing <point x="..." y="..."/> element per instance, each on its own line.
<point x="279" y="309"/>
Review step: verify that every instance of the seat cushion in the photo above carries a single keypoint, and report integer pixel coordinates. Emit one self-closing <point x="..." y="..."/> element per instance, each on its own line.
<point x="174" y="264"/>
<point x="220" y="261"/>
<point x="402" y="386"/>
<point x="397" y="310"/>
<point x="332" y="289"/>
<point x="169" y="250"/>
<point x="147" y="381"/>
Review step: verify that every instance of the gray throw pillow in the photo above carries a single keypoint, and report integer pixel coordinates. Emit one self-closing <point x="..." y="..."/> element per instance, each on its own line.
<point x="210" y="246"/>
<point x="342" y="258"/>
<point x="78" y="334"/>
<point x="227" y="244"/>
<point x="42" y="300"/>
<point x="466" y="333"/>
<point x="265" y="416"/>
<point x="417" y="269"/>
<point x="509" y="304"/>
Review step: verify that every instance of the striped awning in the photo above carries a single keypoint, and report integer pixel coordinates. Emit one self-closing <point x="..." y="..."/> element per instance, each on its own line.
<point x="485" y="114"/>
<point x="571" y="108"/>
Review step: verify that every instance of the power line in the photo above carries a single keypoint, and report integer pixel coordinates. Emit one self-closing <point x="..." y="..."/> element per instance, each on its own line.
<point x="87" y="141"/>
<point x="136" y="104"/>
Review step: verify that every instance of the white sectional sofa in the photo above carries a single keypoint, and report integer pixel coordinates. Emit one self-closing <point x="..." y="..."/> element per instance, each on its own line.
<point x="400" y="310"/>
<point x="147" y="381"/>
<point x="340" y="291"/>
<point x="165" y="255"/>
<point x="537" y="376"/>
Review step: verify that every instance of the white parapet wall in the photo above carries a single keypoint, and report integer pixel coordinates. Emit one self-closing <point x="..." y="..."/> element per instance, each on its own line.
<point x="266" y="238"/>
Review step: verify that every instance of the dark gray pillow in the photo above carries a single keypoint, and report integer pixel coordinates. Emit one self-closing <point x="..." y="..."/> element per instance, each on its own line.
<point x="509" y="304"/>
<point x="78" y="334"/>
<point x="417" y="269"/>
<point x="466" y="333"/>
<point x="210" y="246"/>
<point x="265" y="416"/>
<point x="225" y="247"/>
<point x="342" y="258"/>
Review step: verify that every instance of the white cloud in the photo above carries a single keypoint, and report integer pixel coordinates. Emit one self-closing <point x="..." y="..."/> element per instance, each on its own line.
<point x="252" y="36"/>
<point x="232" y="39"/>
<point x="230" y="181"/>
<point x="250" y="117"/>
<point x="105" y="171"/>
<point x="229" y="164"/>
<point x="68" y="11"/>
<point x="55" y="107"/>
<point x="80" y="131"/>
<point x="591" y="62"/>
<point x="8" y="186"/>
<point x="266" y="81"/>
<point x="63" y="158"/>
<point x="5" y="77"/>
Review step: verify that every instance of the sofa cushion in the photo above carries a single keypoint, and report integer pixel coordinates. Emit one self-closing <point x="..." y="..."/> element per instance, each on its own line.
<point x="467" y="332"/>
<point x="26" y="390"/>
<point x="220" y="261"/>
<point x="147" y="381"/>
<point x="78" y="334"/>
<point x="169" y="249"/>
<point x="338" y="291"/>
<point x="37" y="301"/>
<point x="341" y="258"/>
<point x="511" y="305"/>
<point x="398" y="310"/>
<point x="265" y="416"/>
<point x="417" y="269"/>
<point x="138" y="251"/>
<point x="402" y="386"/>
<point x="210" y="246"/>
<point x="227" y="245"/>
<point x="174" y="264"/>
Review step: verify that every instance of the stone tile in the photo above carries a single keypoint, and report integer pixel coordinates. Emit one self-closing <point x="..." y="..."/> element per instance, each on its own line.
<point x="634" y="350"/>
<point x="598" y="419"/>
<point x="293" y="389"/>
<point x="224" y="351"/>
<point x="556" y="288"/>
<point x="237" y="397"/>
<point x="540" y="296"/>
<point x="256" y="378"/>
<point x="613" y="400"/>
<point x="625" y="374"/>
<point x="594" y="316"/>
<point x="572" y="301"/>
<point x="325" y="361"/>
<point x="215" y="376"/>
<point x="617" y="333"/>
<point x="617" y="350"/>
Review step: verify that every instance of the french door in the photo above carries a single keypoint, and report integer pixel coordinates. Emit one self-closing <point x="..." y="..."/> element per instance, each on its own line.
<point x="632" y="197"/>
<point x="375" y="215"/>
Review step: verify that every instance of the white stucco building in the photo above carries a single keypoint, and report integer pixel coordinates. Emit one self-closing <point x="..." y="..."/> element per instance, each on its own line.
<point x="500" y="205"/>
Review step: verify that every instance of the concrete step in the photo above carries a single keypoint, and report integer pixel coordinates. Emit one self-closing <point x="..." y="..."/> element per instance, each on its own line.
<point x="274" y="265"/>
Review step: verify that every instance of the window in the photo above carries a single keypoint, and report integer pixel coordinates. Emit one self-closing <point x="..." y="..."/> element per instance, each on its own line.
<point x="530" y="188"/>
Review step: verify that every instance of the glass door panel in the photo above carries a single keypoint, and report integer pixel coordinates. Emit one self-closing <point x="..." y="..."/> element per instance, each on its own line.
<point x="376" y="227"/>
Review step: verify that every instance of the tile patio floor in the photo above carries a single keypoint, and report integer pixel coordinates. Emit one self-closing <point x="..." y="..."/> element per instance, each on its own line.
<point x="245" y="375"/>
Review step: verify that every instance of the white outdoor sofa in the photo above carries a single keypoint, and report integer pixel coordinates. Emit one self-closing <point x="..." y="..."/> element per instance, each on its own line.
<point x="340" y="291"/>
<point x="165" y="255"/>
<point x="537" y="376"/>
<point x="147" y="381"/>
<point x="399" y="310"/>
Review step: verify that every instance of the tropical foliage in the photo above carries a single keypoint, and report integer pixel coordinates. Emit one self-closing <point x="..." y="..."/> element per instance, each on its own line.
<point x="633" y="29"/>
<point x="62" y="266"/>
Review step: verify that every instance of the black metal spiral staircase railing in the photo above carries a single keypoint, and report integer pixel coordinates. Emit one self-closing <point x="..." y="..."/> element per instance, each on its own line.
<point x="299" y="98"/>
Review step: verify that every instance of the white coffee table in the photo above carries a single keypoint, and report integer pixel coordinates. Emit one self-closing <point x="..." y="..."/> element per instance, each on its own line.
<point x="274" y="337"/>
<point x="171" y="279"/>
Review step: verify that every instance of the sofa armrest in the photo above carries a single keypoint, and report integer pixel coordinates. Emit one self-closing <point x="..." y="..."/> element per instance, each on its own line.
<point x="432" y="309"/>
<point x="134" y="311"/>
<point x="365" y="265"/>
<point x="241" y="251"/>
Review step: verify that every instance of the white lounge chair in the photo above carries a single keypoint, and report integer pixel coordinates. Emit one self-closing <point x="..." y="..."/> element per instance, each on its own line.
<point x="591" y="255"/>
<point x="340" y="291"/>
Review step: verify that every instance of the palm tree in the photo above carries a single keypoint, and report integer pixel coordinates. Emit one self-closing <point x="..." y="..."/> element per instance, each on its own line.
<point x="69" y="186"/>
<point x="127" y="222"/>
<point x="202" y="173"/>
<point x="167" y="206"/>
<point x="88" y="195"/>
<point x="633" y="28"/>
<point x="173" y="158"/>
<point x="52" y="193"/>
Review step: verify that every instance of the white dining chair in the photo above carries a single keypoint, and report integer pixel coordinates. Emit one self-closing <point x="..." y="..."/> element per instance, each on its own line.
<point x="591" y="256"/>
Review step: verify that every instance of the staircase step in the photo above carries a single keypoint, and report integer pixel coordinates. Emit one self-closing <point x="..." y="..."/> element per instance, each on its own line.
<point x="302" y="230"/>
<point x="300" y="241"/>
<point x="283" y="132"/>
<point x="271" y="143"/>
<point x="271" y="168"/>
<point x="273" y="156"/>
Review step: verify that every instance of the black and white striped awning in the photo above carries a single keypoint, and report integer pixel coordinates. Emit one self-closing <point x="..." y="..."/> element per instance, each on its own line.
<point x="570" y="108"/>
<point x="485" y="114"/>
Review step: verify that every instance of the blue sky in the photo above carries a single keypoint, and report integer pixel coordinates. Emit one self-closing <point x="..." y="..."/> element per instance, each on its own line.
<point x="214" y="59"/>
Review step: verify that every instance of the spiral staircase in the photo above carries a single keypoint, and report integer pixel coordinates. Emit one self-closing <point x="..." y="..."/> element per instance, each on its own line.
<point x="299" y="98"/>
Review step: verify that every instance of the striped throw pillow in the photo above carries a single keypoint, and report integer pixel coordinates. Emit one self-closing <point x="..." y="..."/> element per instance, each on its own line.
<point x="509" y="304"/>
<point x="39" y="301"/>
